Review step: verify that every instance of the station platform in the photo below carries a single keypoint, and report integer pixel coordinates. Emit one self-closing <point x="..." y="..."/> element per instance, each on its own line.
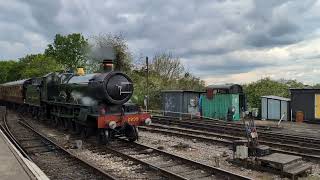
<point x="14" y="166"/>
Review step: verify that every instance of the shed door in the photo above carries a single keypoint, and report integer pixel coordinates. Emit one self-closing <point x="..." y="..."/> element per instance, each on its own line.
<point x="264" y="108"/>
<point x="317" y="106"/>
<point x="274" y="109"/>
<point x="284" y="110"/>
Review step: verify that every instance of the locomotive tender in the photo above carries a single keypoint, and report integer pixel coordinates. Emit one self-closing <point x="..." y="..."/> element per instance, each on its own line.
<point x="87" y="104"/>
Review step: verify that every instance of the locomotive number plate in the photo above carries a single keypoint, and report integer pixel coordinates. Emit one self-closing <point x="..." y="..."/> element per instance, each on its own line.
<point x="133" y="119"/>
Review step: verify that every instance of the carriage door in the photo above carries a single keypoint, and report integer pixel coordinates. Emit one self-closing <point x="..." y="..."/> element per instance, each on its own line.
<point x="317" y="106"/>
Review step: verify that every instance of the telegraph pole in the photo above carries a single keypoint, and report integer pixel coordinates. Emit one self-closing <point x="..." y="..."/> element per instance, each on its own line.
<point x="147" y="71"/>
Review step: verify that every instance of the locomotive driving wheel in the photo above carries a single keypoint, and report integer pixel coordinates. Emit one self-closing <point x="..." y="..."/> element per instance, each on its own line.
<point x="55" y="121"/>
<point x="78" y="128"/>
<point x="84" y="132"/>
<point x="131" y="132"/>
<point x="103" y="136"/>
<point x="66" y="124"/>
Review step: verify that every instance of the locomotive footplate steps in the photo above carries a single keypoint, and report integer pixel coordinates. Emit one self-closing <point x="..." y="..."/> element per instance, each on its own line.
<point x="289" y="165"/>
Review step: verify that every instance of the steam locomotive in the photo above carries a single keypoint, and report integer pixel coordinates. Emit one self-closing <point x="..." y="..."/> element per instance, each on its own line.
<point x="86" y="104"/>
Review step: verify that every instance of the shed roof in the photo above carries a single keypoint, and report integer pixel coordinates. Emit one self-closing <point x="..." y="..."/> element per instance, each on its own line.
<point x="19" y="82"/>
<point x="181" y="91"/>
<point x="222" y="86"/>
<point x="302" y="89"/>
<point x="276" y="97"/>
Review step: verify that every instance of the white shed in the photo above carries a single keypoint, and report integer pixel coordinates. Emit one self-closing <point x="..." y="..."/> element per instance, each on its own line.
<point x="273" y="107"/>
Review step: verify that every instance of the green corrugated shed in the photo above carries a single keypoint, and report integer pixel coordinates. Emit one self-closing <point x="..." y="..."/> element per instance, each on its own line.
<point x="217" y="107"/>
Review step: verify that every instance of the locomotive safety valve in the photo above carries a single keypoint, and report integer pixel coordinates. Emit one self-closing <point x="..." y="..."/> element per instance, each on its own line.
<point x="147" y="121"/>
<point x="112" y="124"/>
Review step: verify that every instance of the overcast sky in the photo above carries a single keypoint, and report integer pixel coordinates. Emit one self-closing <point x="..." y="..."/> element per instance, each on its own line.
<point x="221" y="41"/>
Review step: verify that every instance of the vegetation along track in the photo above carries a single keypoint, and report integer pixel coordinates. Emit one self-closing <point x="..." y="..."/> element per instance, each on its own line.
<point x="220" y="132"/>
<point x="53" y="159"/>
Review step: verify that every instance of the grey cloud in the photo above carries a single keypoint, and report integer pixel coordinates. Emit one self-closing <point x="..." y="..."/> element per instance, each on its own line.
<point x="188" y="29"/>
<point x="263" y="40"/>
<point x="228" y="66"/>
<point x="278" y="22"/>
<point x="282" y="28"/>
<point x="44" y="13"/>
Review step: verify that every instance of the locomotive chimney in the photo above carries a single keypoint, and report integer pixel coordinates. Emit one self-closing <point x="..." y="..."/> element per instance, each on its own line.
<point x="107" y="65"/>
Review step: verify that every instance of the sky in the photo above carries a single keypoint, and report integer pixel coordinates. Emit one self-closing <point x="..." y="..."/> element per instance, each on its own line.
<point x="220" y="41"/>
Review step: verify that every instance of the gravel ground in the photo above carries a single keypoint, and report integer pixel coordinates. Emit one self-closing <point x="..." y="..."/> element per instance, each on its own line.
<point x="207" y="153"/>
<point x="56" y="164"/>
<point x="119" y="167"/>
<point x="303" y="129"/>
<point x="214" y="155"/>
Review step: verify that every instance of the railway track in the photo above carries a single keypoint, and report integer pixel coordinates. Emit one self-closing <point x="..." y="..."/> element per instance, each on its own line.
<point x="154" y="163"/>
<point x="208" y="134"/>
<point x="237" y="129"/>
<point x="53" y="159"/>
<point x="179" y="167"/>
<point x="212" y="121"/>
<point x="144" y="172"/>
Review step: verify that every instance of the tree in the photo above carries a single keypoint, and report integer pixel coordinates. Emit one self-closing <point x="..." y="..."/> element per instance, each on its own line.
<point x="8" y="71"/>
<point x="267" y="86"/>
<point x="69" y="51"/>
<point x="166" y="73"/>
<point x="167" y="66"/>
<point x="36" y="65"/>
<point x="33" y="65"/>
<point x="292" y="83"/>
<point x="190" y="82"/>
<point x="114" y="47"/>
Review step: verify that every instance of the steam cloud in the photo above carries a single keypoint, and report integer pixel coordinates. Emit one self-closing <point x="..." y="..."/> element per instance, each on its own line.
<point x="101" y="53"/>
<point x="85" y="100"/>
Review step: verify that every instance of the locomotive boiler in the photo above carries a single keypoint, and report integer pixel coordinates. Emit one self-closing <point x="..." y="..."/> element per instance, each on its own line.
<point x="112" y="88"/>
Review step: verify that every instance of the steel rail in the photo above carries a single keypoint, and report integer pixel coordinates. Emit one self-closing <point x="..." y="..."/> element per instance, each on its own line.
<point x="164" y="172"/>
<point x="90" y="165"/>
<point x="216" y="127"/>
<point x="213" y="121"/>
<point x="262" y="128"/>
<point x="225" y="139"/>
<point x="221" y="173"/>
<point x="11" y="137"/>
